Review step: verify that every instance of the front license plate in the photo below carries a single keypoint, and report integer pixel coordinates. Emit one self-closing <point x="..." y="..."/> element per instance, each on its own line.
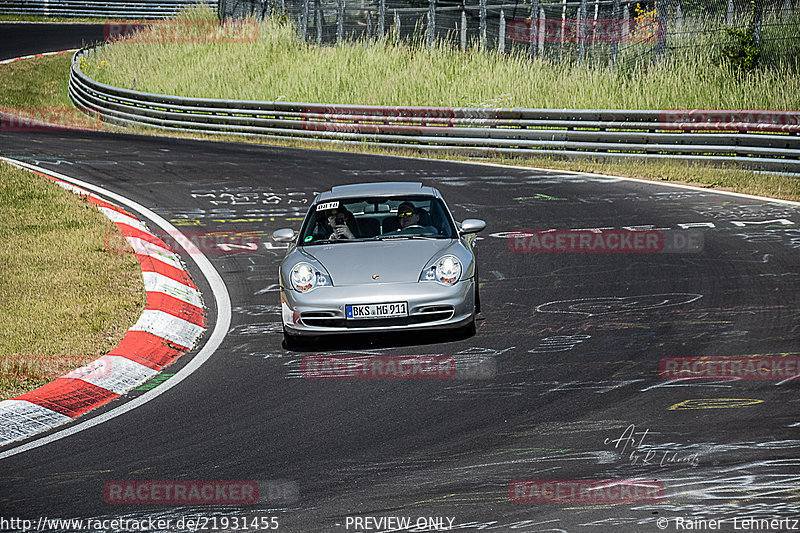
<point x="358" y="312"/>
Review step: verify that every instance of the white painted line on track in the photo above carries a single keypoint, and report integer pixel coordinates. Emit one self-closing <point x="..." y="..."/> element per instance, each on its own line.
<point x="218" y="289"/>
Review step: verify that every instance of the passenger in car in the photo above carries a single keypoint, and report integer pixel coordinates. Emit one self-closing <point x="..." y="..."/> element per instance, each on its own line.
<point x="336" y="224"/>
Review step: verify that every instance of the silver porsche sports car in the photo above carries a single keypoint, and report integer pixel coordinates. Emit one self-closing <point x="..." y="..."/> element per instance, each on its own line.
<point x="378" y="257"/>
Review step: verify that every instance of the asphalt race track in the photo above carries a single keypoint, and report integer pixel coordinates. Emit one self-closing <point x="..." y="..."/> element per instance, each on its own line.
<point x="561" y="382"/>
<point x="18" y="39"/>
<point x="565" y="381"/>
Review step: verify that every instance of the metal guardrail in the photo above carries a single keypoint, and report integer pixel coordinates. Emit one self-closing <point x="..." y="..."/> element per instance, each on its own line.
<point x="142" y="9"/>
<point x="768" y="140"/>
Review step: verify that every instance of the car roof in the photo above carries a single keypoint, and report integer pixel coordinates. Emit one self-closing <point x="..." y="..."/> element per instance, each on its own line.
<point x="383" y="188"/>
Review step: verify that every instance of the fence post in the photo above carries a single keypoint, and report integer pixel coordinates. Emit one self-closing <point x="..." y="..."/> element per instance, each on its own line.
<point x="563" y="20"/>
<point x="532" y="29"/>
<point x="626" y="24"/>
<point x="283" y="7"/>
<point x="396" y="26"/>
<point x="501" y="34"/>
<point x="369" y="26"/>
<point x="381" y="18"/>
<point x="729" y="13"/>
<point x="431" y="22"/>
<point x="617" y="32"/>
<point x="463" y="30"/>
<point x="340" y="22"/>
<point x="661" y="31"/>
<point x="482" y="28"/>
<point x="758" y="20"/>
<point x="580" y="27"/>
<point x="542" y="29"/>
<point x="319" y="22"/>
<point x="594" y="22"/>
<point x="304" y="20"/>
<point x="678" y="19"/>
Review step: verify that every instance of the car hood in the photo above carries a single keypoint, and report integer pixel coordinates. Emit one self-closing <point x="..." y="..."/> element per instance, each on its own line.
<point x="395" y="261"/>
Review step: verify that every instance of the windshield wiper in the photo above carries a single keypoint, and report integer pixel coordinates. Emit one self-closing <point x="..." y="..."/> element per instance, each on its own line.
<point x="387" y="237"/>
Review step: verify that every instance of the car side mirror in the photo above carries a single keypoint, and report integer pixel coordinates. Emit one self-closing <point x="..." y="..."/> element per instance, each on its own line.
<point x="472" y="225"/>
<point x="283" y="235"/>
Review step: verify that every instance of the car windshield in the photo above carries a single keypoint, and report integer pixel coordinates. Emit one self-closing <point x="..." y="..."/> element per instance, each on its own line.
<point x="389" y="217"/>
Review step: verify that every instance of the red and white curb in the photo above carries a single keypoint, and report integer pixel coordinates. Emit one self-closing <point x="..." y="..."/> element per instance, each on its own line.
<point x="170" y="325"/>
<point x="6" y="61"/>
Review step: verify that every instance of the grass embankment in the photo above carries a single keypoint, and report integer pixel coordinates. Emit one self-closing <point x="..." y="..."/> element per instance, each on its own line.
<point x="66" y="300"/>
<point x="276" y="66"/>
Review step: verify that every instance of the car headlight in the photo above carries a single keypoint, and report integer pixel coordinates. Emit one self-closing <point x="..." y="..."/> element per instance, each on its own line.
<point x="446" y="270"/>
<point x="305" y="277"/>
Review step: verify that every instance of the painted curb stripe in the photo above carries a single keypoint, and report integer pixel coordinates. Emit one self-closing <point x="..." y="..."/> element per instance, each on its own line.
<point x="118" y="218"/>
<point x="141" y="247"/>
<point x="19" y="419"/>
<point x="171" y="328"/>
<point x="70" y="397"/>
<point x="155" y="282"/>
<point x="117" y="374"/>
<point x="175" y="307"/>
<point x="173" y="320"/>
<point x="147" y="349"/>
<point x="130" y="231"/>
<point x="150" y="264"/>
<point x="7" y="61"/>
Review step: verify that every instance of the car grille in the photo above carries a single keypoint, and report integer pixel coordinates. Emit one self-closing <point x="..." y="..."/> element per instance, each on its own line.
<point x="329" y="319"/>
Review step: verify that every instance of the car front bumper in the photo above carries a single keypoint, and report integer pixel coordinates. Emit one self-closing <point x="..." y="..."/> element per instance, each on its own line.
<point x="430" y="306"/>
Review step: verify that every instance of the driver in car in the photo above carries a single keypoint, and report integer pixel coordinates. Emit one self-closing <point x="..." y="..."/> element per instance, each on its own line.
<point x="407" y="215"/>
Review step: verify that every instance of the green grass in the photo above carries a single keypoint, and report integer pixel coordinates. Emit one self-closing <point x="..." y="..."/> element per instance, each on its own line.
<point x="277" y="66"/>
<point x="66" y="300"/>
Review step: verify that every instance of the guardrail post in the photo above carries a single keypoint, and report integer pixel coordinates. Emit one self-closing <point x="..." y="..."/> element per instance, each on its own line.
<point x="463" y="29"/>
<point x="340" y="22"/>
<point x="431" y="22"/>
<point x="501" y="34"/>
<point x="381" y="18"/>
<point x="482" y="27"/>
